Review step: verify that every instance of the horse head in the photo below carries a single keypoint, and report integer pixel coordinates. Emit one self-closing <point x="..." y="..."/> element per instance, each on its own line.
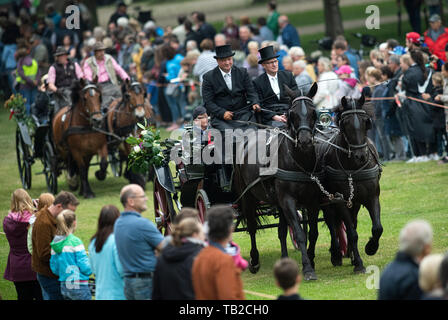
<point x="354" y="120"/>
<point x="88" y="96"/>
<point x="134" y="96"/>
<point x="302" y="116"/>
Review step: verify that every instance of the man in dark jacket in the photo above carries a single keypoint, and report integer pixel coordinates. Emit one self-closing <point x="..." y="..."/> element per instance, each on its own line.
<point x="227" y="91"/>
<point x="270" y="87"/>
<point x="399" y="280"/>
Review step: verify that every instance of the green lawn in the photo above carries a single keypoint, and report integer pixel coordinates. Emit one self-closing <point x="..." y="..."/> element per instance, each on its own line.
<point x="409" y="191"/>
<point x="299" y="19"/>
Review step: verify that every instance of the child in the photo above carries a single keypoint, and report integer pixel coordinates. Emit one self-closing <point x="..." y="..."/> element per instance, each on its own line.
<point x="288" y="278"/>
<point x="45" y="200"/>
<point x="69" y="259"/>
<point x="347" y="86"/>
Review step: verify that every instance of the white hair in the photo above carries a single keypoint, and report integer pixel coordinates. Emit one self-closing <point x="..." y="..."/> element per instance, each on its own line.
<point x="149" y="25"/>
<point x="300" y="63"/>
<point x="122" y="22"/>
<point x="191" y="44"/>
<point x="383" y="46"/>
<point x="414" y="237"/>
<point x="296" y="52"/>
<point x="284" y="47"/>
<point x="91" y="42"/>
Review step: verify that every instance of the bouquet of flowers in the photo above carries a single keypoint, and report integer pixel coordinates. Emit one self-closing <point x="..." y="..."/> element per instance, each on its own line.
<point x="145" y="149"/>
<point x="16" y="105"/>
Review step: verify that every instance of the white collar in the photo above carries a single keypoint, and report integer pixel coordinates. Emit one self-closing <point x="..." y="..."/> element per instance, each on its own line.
<point x="224" y="74"/>
<point x="273" y="77"/>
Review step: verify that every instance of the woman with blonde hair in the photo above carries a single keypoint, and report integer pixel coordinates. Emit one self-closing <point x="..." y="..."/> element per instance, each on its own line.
<point x="429" y="277"/>
<point x="45" y="200"/>
<point x="18" y="267"/>
<point x="69" y="259"/>
<point x="328" y="85"/>
<point x="172" y="276"/>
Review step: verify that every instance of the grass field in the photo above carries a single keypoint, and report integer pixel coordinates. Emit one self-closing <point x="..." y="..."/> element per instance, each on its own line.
<point x="409" y="191"/>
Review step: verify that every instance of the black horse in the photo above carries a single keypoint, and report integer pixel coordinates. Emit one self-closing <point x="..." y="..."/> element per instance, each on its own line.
<point x="291" y="187"/>
<point x="352" y="169"/>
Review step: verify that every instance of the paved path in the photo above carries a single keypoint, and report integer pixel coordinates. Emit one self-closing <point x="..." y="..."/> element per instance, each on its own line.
<point x="216" y="10"/>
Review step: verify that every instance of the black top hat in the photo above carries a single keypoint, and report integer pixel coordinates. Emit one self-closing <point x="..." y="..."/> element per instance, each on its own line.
<point x="60" y="51"/>
<point x="224" y="51"/>
<point x="267" y="53"/>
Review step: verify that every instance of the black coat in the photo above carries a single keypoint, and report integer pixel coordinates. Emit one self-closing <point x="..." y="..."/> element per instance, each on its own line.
<point x="399" y="280"/>
<point x="218" y="98"/>
<point x="417" y="116"/>
<point x="267" y="96"/>
<point x="172" y="276"/>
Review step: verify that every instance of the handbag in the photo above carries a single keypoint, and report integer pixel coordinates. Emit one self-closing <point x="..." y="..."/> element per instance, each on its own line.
<point x="173" y="89"/>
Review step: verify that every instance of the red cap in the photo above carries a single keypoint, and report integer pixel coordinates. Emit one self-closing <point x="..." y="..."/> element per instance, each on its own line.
<point x="414" y="37"/>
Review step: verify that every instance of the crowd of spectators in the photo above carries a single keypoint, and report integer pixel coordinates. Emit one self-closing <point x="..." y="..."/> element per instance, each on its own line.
<point x="129" y="259"/>
<point x="171" y="62"/>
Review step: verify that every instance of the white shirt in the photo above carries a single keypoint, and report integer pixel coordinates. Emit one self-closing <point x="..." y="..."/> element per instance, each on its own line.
<point x="273" y="80"/>
<point x="227" y="78"/>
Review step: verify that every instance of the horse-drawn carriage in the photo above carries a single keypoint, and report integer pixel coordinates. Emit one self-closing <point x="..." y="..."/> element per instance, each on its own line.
<point x="34" y="141"/>
<point x="335" y="171"/>
<point x="69" y="138"/>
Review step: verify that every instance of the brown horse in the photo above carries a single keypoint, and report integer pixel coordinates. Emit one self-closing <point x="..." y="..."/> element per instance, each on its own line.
<point x="75" y="137"/>
<point x="122" y="118"/>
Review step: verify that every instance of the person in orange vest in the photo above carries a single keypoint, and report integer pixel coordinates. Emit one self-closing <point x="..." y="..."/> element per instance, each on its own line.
<point x="436" y="37"/>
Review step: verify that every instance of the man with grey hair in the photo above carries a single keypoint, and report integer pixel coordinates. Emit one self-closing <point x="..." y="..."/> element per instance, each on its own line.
<point x="138" y="240"/>
<point x="302" y="77"/>
<point x="399" y="280"/>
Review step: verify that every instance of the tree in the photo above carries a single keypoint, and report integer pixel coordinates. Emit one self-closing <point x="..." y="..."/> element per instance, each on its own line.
<point x="333" y="19"/>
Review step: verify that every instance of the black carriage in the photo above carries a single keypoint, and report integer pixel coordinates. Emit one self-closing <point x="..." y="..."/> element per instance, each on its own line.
<point x="197" y="185"/>
<point x="36" y="143"/>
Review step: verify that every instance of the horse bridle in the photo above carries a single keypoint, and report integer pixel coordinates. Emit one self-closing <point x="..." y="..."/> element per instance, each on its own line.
<point x="303" y="125"/>
<point x="356" y="113"/>
<point x="135" y="106"/>
<point x="91" y="87"/>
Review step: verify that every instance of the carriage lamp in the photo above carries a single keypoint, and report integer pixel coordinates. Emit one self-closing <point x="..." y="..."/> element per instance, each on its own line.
<point x="324" y="117"/>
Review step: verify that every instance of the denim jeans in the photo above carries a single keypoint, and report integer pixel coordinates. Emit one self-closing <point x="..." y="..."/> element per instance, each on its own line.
<point x="51" y="289"/>
<point x="80" y="292"/>
<point x="138" y="288"/>
<point x="30" y="96"/>
<point x="177" y="105"/>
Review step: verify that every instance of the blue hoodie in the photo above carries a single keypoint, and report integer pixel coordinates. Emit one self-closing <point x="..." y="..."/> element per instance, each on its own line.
<point x="69" y="260"/>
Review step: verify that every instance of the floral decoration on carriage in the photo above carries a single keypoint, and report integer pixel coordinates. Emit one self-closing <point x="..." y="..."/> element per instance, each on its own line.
<point x="16" y="105"/>
<point x="146" y="149"/>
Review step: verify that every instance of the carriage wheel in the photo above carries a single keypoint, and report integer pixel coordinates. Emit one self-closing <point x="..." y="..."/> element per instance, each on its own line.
<point x="23" y="160"/>
<point x="50" y="167"/>
<point x="163" y="208"/>
<point x="115" y="163"/>
<point x="202" y="204"/>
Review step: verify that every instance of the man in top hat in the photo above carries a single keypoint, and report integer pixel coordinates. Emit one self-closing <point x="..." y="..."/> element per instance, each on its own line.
<point x="270" y="87"/>
<point x="60" y="77"/>
<point x="436" y="37"/>
<point x="104" y="67"/>
<point x="228" y="93"/>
